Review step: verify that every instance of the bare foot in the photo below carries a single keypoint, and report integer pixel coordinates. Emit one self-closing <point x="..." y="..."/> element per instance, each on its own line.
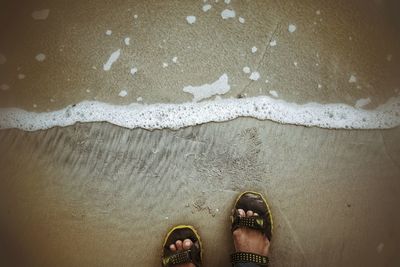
<point x="250" y="240"/>
<point x="179" y="246"/>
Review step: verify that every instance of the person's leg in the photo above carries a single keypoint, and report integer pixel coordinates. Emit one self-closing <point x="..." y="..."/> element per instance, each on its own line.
<point x="251" y="230"/>
<point x="249" y="240"/>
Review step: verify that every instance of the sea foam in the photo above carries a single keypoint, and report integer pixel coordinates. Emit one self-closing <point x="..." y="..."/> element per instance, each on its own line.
<point x="175" y="116"/>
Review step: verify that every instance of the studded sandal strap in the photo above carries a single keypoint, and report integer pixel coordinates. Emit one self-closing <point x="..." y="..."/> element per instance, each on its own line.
<point x="254" y="222"/>
<point x="245" y="257"/>
<point x="185" y="256"/>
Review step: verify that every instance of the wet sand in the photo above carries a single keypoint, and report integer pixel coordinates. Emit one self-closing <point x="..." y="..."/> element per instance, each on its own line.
<point x="100" y="195"/>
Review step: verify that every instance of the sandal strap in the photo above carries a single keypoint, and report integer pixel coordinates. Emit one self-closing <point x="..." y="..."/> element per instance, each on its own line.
<point x="255" y="202"/>
<point x="255" y="222"/>
<point x="185" y="256"/>
<point x="245" y="257"/>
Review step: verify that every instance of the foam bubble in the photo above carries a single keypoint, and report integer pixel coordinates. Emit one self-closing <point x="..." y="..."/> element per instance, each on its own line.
<point x="206" y="7"/>
<point x="123" y="93"/>
<point x="352" y="79"/>
<point x="227" y="14"/>
<point x="3" y="59"/>
<point x="254" y="76"/>
<point x="274" y="93"/>
<point x="292" y="28"/>
<point x="40" y="14"/>
<point x="175" y="116"/>
<point x="40" y="57"/>
<point x="246" y="70"/>
<point x="380" y="247"/>
<point x="133" y="71"/>
<point x="191" y="19"/>
<point x="4" y="87"/>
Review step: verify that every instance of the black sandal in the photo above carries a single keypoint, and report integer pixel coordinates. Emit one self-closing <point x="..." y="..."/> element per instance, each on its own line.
<point x="193" y="255"/>
<point x="263" y="222"/>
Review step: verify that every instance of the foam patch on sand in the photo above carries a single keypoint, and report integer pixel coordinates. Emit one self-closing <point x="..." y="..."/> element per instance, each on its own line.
<point x="175" y="116"/>
<point x="111" y="60"/>
<point x="219" y="87"/>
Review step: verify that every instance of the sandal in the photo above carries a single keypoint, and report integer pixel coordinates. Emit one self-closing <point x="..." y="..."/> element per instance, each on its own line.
<point x="193" y="255"/>
<point x="263" y="222"/>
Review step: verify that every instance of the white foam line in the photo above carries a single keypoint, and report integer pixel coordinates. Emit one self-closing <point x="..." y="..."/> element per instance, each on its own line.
<point x="175" y="116"/>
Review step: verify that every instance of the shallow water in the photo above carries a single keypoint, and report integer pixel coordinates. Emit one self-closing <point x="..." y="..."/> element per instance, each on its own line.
<point x="333" y="44"/>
